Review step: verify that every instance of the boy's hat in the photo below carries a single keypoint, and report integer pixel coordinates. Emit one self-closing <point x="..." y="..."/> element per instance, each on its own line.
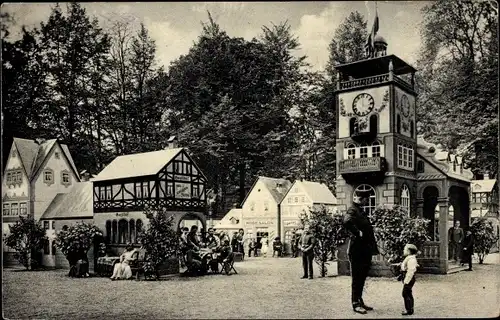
<point x="411" y="246"/>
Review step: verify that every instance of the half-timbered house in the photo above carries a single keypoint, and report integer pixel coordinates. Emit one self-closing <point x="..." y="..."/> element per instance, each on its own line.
<point x="160" y="179"/>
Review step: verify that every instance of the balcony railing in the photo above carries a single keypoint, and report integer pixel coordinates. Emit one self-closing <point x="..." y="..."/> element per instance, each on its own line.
<point x="374" y="80"/>
<point x="430" y="250"/>
<point x="364" y="81"/>
<point x="362" y="165"/>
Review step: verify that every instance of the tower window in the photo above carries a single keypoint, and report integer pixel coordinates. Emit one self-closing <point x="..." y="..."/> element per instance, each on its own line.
<point x="351" y="151"/>
<point x="420" y="166"/>
<point x="405" y="198"/>
<point x="376" y="149"/>
<point x="398" y="124"/>
<point x="405" y="157"/>
<point x="412" y="129"/>
<point x="363" y="152"/>
<point x="365" y="188"/>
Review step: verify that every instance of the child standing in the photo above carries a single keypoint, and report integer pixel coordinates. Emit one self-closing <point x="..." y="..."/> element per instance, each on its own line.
<point x="409" y="268"/>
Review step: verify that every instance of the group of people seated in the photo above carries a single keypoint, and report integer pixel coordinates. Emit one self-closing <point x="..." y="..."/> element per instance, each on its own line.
<point x="201" y="255"/>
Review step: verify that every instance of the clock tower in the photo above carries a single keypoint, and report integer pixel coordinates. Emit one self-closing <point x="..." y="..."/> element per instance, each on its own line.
<point x="376" y="129"/>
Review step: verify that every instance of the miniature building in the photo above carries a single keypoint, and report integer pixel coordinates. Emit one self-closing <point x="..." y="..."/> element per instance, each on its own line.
<point x="167" y="178"/>
<point x="302" y="196"/>
<point x="484" y="202"/>
<point x="378" y="152"/>
<point x="35" y="173"/>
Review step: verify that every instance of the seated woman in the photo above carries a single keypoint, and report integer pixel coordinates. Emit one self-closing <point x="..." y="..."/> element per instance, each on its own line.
<point x="122" y="269"/>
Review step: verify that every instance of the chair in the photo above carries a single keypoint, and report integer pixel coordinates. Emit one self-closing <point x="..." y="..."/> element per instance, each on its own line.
<point x="137" y="265"/>
<point x="228" y="264"/>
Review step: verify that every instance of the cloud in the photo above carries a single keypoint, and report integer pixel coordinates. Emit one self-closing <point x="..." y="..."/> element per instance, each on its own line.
<point x="171" y="43"/>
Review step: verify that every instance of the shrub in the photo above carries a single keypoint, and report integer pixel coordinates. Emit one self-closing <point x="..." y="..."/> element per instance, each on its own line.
<point x="329" y="232"/>
<point x="484" y="237"/>
<point x="394" y="229"/>
<point x="77" y="240"/>
<point x="26" y="237"/>
<point x="159" y="239"/>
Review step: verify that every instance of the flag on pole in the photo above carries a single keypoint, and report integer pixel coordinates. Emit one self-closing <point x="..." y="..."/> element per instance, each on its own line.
<point x="373" y="33"/>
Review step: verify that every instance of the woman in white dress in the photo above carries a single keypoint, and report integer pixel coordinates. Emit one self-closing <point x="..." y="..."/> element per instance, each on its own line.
<point x="265" y="246"/>
<point x="122" y="269"/>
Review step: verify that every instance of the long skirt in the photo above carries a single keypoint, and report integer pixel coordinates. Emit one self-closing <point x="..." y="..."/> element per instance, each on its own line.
<point x="122" y="271"/>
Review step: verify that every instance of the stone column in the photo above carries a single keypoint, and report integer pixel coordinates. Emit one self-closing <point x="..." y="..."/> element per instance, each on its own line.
<point x="443" y="234"/>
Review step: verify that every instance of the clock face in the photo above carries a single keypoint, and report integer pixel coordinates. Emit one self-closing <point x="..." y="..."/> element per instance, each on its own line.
<point x="363" y="104"/>
<point x="405" y="105"/>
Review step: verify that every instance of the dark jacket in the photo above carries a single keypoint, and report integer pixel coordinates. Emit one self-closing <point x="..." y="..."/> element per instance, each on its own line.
<point x="469" y="243"/>
<point x="307" y="242"/>
<point x="456" y="235"/>
<point x="354" y="221"/>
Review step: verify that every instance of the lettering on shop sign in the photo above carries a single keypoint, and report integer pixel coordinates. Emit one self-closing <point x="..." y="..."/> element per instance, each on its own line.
<point x="122" y="214"/>
<point x="182" y="178"/>
<point x="259" y="222"/>
<point x="291" y="223"/>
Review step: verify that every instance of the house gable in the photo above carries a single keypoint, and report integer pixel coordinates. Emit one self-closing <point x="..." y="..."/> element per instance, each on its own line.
<point x="15" y="182"/>
<point x="259" y="201"/>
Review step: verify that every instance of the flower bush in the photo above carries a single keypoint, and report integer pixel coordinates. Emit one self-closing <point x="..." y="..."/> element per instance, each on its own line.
<point x="159" y="239"/>
<point x="484" y="237"/>
<point x="26" y="237"/>
<point x="394" y="229"/>
<point x="329" y="232"/>
<point x="78" y="238"/>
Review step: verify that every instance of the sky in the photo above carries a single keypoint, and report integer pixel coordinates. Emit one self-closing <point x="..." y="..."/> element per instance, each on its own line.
<point x="176" y="25"/>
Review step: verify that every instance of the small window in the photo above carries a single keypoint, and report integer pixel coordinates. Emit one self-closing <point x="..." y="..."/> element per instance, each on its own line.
<point x="48" y="176"/>
<point x="290" y="199"/>
<point x="23" y="210"/>
<point x="14" y="154"/>
<point x="363" y="152"/>
<point x="46" y="225"/>
<point x="303" y="199"/>
<point x="65" y="178"/>
<point x="53" y="225"/>
<point x="398" y="124"/>
<point x="296" y="200"/>
<point x="412" y="129"/>
<point x="376" y="149"/>
<point x="266" y="205"/>
<point x="420" y="166"/>
<point x="14" y="209"/>
<point x="252" y="206"/>
<point x="57" y="155"/>
<point x="109" y="192"/>
<point x="9" y="176"/>
<point x="6" y="209"/>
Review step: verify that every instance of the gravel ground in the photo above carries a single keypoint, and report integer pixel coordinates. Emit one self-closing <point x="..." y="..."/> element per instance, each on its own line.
<point x="264" y="288"/>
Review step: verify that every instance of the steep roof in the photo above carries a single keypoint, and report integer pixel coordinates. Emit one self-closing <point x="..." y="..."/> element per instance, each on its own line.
<point x="318" y="192"/>
<point x="271" y="184"/>
<point x="69" y="157"/>
<point x="33" y="155"/>
<point x="138" y="164"/>
<point x="483" y="185"/>
<point x="43" y="151"/>
<point x="27" y="150"/>
<point x="75" y="204"/>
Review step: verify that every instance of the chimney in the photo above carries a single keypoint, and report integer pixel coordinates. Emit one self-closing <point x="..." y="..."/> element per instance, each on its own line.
<point x="486" y="176"/>
<point x="85" y="175"/>
<point x="172" y="142"/>
<point x="40" y="141"/>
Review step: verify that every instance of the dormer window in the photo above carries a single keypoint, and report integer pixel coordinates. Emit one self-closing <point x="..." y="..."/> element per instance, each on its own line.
<point x="65" y="178"/>
<point x="48" y="176"/>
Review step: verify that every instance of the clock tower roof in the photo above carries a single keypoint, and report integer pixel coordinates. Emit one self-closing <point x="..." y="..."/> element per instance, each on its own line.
<point x="375" y="66"/>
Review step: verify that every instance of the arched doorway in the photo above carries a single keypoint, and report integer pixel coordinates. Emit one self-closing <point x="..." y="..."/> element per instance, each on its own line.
<point x="430" y="196"/>
<point x="459" y="199"/>
<point x="190" y="219"/>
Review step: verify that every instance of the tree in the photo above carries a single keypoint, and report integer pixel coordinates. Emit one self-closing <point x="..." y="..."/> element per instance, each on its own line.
<point x="394" y="229"/>
<point x="459" y="80"/>
<point x="329" y="232"/>
<point x="27" y="237"/>
<point x="484" y="237"/>
<point x="159" y="239"/>
<point x="348" y="43"/>
<point x="76" y="241"/>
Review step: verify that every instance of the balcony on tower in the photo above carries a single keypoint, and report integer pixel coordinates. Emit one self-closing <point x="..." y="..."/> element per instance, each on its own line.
<point x="374" y="72"/>
<point x="360" y="169"/>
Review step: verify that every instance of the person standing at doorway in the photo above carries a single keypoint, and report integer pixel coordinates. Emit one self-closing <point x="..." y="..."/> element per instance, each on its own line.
<point x="307" y="243"/>
<point x="468" y="249"/>
<point x="455" y="239"/>
<point x="362" y="245"/>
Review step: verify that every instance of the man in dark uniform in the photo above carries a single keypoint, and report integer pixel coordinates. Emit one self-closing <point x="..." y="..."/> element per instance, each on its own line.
<point x="362" y="246"/>
<point x="307" y="243"/>
<point x="455" y="238"/>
